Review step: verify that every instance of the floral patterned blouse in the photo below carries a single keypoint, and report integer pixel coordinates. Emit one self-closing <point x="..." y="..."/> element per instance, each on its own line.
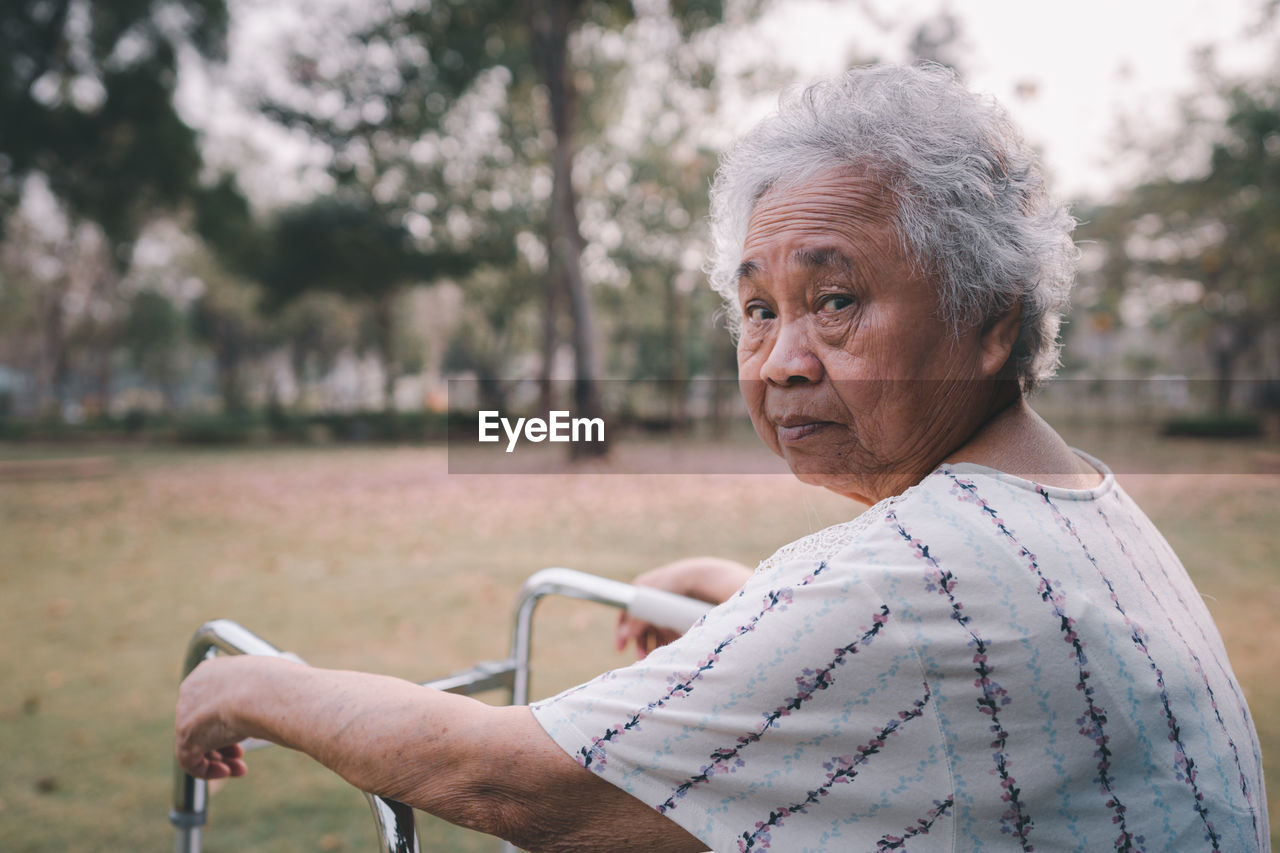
<point x="980" y="663"/>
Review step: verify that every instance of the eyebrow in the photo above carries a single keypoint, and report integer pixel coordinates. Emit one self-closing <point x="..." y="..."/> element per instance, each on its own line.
<point x="822" y="259"/>
<point x="746" y="269"/>
<point x="819" y="259"/>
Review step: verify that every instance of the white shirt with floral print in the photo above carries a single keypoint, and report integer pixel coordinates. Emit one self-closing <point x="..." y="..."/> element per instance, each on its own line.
<point x="980" y="663"/>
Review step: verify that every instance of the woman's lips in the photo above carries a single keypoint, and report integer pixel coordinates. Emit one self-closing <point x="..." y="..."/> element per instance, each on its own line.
<point x="792" y="430"/>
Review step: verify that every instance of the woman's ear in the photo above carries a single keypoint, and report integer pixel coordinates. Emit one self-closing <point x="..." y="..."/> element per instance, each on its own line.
<point x="998" y="337"/>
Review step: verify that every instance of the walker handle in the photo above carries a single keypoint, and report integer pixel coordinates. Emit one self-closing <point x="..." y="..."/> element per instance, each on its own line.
<point x="661" y="608"/>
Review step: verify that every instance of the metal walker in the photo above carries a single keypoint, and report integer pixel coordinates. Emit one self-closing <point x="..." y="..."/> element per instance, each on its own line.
<point x="394" y="821"/>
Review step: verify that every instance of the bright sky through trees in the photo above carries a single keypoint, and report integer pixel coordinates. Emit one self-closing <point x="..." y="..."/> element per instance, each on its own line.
<point x="1069" y="72"/>
<point x="1072" y="74"/>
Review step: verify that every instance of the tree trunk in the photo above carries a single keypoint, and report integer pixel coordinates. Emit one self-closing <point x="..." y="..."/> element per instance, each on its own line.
<point x="551" y="21"/>
<point x="678" y="356"/>
<point x="384" y="320"/>
<point x="228" y="352"/>
<point x="52" y="366"/>
<point x="1228" y="340"/>
<point x="227" y="356"/>
<point x="550" y="336"/>
<point x="107" y="290"/>
<point x="723" y="383"/>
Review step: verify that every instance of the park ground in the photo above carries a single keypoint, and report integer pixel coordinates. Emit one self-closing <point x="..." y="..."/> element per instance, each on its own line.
<point x="380" y="559"/>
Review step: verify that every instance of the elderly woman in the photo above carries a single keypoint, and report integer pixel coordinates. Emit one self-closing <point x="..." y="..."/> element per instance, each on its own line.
<point x="1001" y="653"/>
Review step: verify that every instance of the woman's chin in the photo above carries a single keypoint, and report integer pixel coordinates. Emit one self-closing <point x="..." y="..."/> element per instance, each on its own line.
<point x="842" y="483"/>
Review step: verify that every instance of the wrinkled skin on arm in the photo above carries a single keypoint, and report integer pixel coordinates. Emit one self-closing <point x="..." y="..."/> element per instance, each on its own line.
<point x="487" y="768"/>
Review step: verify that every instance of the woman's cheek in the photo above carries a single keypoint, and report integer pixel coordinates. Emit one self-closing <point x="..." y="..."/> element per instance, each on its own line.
<point x="838" y="331"/>
<point x="750" y="343"/>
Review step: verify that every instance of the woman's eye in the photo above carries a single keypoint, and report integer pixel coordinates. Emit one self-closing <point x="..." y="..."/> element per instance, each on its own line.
<point x="756" y="312"/>
<point x="836" y="302"/>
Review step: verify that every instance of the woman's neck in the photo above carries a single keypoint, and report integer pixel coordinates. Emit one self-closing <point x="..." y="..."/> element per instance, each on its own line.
<point x="1019" y="442"/>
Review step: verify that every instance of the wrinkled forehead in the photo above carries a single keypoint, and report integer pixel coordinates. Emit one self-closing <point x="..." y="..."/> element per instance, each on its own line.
<point x="841" y="205"/>
<point x="855" y="190"/>
<point x="873" y="180"/>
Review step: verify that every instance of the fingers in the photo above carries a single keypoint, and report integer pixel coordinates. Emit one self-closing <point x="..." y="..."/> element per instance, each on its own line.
<point x="630" y="631"/>
<point x="627" y="632"/>
<point x="234" y="760"/>
<point x="219" y="763"/>
<point x="224" y="763"/>
<point x="635" y="632"/>
<point x="710" y="579"/>
<point x="645" y="636"/>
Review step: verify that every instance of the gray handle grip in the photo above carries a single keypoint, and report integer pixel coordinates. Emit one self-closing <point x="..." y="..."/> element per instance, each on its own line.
<point x="666" y="609"/>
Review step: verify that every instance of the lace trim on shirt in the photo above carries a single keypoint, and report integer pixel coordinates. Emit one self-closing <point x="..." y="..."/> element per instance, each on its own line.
<point x="826" y="543"/>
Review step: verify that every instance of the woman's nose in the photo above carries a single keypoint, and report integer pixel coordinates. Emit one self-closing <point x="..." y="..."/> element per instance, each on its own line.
<point x="791" y="359"/>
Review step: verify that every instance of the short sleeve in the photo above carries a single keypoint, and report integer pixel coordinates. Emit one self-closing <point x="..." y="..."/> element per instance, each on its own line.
<point x="794" y="715"/>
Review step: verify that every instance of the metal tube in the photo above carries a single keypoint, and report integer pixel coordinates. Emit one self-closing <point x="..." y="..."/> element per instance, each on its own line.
<point x="555" y="581"/>
<point x="396" y="832"/>
<point x="486" y="675"/>
<point x="666" y="609"/>
<point x="662" y="608"/>
<point x="394" y="820"/>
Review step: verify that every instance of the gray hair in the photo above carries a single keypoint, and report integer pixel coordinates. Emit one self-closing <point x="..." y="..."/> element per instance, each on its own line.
<point x="973" y="210"/>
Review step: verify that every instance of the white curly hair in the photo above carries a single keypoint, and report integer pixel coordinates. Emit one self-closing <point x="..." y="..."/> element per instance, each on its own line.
<point x="973" y="209"/>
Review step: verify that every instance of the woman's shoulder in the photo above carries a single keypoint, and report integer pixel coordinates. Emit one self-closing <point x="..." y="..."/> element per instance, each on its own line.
<point x="825" y="544"/>
<point x="963" y="501"/>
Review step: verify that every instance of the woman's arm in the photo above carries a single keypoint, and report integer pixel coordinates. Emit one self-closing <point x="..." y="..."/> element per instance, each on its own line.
<point x="488" y="768"/>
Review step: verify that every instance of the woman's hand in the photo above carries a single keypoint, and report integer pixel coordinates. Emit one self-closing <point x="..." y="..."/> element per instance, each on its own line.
<point x="709" y="579"/>
<point x="206" y="742"/>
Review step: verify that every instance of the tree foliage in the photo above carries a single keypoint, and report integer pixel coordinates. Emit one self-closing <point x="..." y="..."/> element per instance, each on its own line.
<point x="547" y="160"/>
<point x="86" y="101"/>
<point x="404" y="76"/>
<point x="1203" y="253"/>
<point x="87" y="113"/>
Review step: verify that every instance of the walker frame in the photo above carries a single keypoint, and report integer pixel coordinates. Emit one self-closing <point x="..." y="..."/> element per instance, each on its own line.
<point x="395" y="821"/>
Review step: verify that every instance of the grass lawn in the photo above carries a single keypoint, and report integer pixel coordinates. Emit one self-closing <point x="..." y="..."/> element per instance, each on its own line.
<point x="380" y="559"/>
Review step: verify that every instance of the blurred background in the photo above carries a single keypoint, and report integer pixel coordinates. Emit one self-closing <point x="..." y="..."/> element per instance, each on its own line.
<point x="226" y="220"/>
<point x="258" y="259"/>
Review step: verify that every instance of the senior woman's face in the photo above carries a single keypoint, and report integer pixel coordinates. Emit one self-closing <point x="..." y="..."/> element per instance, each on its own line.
<point x="847" y="370"/>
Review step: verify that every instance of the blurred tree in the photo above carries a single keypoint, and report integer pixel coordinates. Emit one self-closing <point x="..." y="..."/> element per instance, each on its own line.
<point x="86" y="100"/>
<point x="152" y="333"/>
<point x="352" y="249"/>
<point x="403" y="75"/>
<point x="226" y="317"/>
<point x="317" y="328"/>
<point x="50" y="274"/>
<point x="550" y="22"/>
<point x="495" y="331"/>
<point x="406" y="98"/>
<point x="86" y="104"/>
<point x="646" y="210"/>
<point x="1205" y="250"/>
<point x="228" y="225"/>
